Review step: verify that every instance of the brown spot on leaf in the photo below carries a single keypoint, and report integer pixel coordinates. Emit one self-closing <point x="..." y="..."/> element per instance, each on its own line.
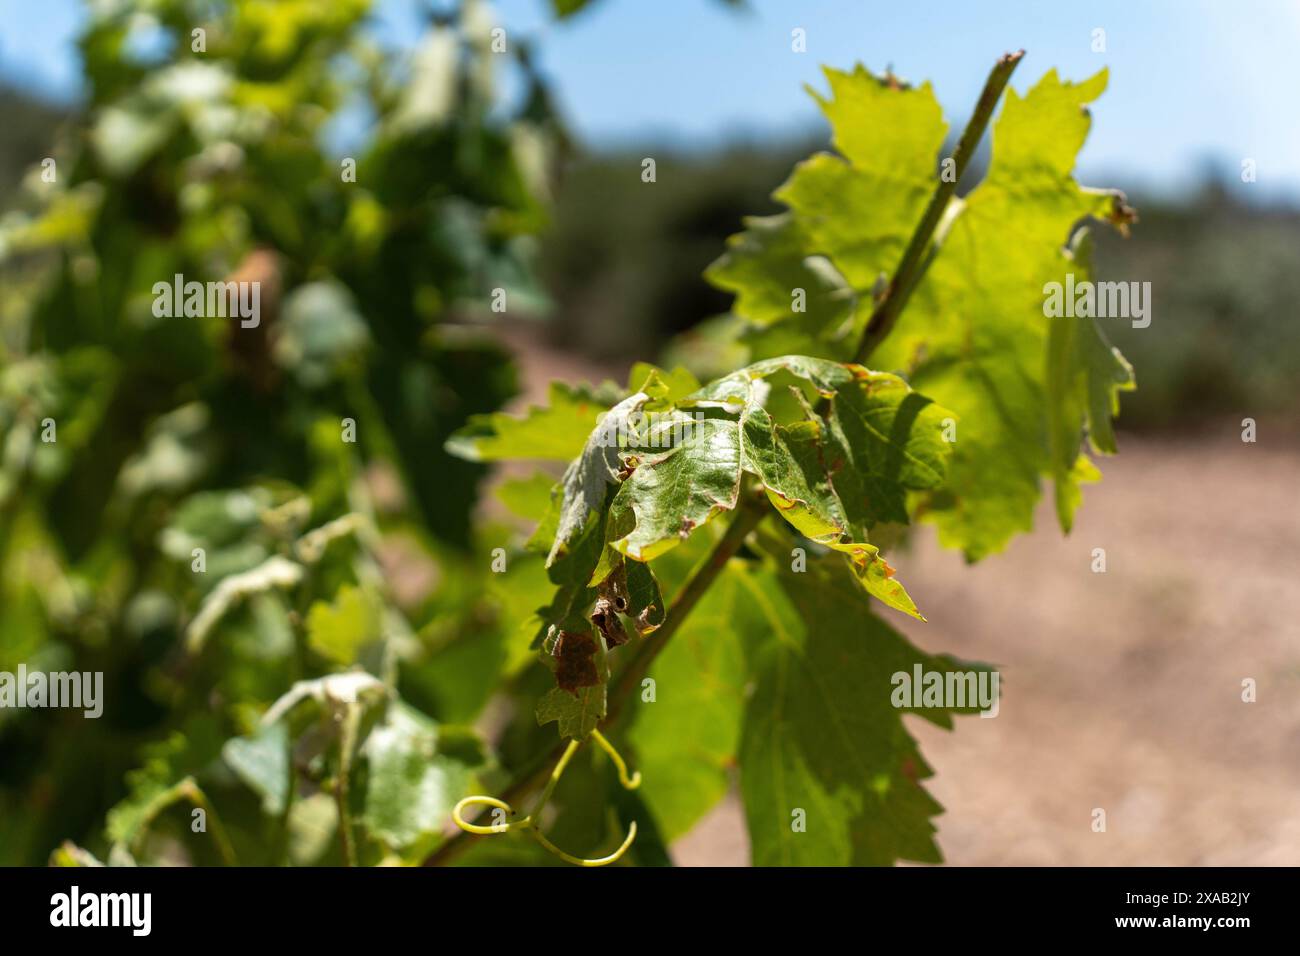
<point x="575" y="661"/>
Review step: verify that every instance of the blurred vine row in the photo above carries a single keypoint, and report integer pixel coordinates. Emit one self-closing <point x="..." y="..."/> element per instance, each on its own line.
<point x="218" y="518"/>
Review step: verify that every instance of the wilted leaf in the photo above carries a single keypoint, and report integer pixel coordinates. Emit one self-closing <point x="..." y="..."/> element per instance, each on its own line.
<point x="334" y="692"/>
<point x="669" y="495"/>
<point x="828" y="478"/>
<point x="589" y="476"/>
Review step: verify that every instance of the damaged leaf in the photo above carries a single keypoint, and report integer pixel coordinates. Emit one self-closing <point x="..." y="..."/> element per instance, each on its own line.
<point x="575" y="661"/>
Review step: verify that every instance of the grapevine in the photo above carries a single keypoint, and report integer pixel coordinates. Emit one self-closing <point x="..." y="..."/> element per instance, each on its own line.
<point x="822" y="476"/>
<point x="334" y="634"/>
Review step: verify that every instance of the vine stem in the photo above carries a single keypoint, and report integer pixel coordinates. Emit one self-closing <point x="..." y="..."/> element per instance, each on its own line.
<point x="347" y="743"/>
<point x="750" y="511"/>
<point x="200" y="799"/>
<point x="185" y="789"/>
<point x="915" y="261"/>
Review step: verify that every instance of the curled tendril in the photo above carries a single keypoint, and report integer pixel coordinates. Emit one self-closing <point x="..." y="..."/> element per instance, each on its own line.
<point x="628" y="783"/>
<point x="530" y="823"/>
<point x="487" y="802"/>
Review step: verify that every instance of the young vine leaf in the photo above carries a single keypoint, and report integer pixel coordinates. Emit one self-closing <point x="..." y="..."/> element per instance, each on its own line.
<point x="974" y="337"/>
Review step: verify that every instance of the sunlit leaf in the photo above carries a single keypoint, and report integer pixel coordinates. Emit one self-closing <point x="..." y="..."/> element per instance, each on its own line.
<point x="556" y="432"/>
<point x="822" y="745"/>
<point x="417" y="772"/>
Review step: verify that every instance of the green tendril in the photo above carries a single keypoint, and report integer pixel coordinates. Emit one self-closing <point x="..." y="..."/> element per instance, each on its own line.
<point x="531" y="823"/>
<point x="628" y="783"/>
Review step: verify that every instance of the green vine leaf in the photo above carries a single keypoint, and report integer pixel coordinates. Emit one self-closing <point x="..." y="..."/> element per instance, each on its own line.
<point x="339" y="630"/>
<point x="528" y="498"/>
<point x="576" y="715"/>
<point x="859" y="208"/>
<point x="763" y="264"/>
<point x="821" y="734"/>
<point x="669" y="495"/>
<point x="1085" y="375"/>
<point x="885" y="440"/>
<point x="983" y="332"/>
<point x="975" y="337"/>
<point x="667" y="386"/>
<point x="556" y="432"/>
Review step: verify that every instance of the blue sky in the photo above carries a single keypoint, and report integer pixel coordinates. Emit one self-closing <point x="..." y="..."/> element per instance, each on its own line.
<point x="1190" y="80"/>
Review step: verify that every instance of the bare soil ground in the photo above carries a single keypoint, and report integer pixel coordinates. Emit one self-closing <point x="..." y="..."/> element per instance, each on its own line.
<point x="1120" y="691"/>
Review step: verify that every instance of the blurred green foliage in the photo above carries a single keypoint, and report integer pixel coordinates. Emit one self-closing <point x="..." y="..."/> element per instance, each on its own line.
<point x="624" y="259"/>
<point x="218" y="516"/>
